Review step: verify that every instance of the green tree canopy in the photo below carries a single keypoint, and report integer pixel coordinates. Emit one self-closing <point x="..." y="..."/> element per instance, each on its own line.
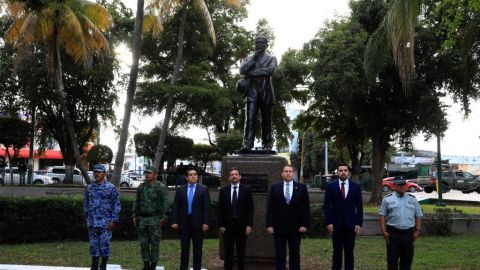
<point x="350" y="110"/>
<point x="100" y="154"/>
<point x="203" y="153"/>
<point x="15" y="134"/>
<point x="176" y="147"/>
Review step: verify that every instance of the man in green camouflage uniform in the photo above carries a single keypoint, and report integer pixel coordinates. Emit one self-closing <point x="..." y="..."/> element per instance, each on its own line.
<point x="149" y="214"/>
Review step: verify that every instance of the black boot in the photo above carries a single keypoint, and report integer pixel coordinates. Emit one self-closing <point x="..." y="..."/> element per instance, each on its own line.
<point x="103" y="265"/>
<point x="153" y="265"/>
<point x="94" y="263"/>
<point x="146" y="266"/>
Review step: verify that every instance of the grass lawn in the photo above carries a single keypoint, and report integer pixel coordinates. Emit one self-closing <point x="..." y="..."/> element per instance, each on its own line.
<point x="428" y="208"/>
<point x="439" y="253"/>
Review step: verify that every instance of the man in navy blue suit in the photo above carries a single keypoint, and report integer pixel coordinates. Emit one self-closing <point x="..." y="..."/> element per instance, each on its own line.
<point x="288" y="216"/>
<point x="191" y="216"/>
<point x="343" y="208"/>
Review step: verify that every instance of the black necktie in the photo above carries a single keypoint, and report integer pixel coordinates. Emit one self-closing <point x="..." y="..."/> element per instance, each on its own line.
<point x="234" y="202"/>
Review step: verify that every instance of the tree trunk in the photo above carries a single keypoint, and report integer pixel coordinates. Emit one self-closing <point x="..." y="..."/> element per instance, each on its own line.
<point x="57" y="68"/>
<point x="175" y="75"/>
<point x="354" y="152"/>
<point x="378" y="160"/>
<point x="132" y="86"/>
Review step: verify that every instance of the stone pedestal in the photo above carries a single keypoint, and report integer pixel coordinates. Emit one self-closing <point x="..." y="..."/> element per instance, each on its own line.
<point x="259" y="172"/>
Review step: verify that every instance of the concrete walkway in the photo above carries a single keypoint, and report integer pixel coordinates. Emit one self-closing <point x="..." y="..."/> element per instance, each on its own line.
<point x="452" y="195"/>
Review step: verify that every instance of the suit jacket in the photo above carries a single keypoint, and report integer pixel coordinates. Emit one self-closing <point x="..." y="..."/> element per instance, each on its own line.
<point x="244" y="207"/>
<point x="342" y="212"/>
<point x="258" y="74"/>
<point x="288" y="218"/>
<point x="200" y="207"/>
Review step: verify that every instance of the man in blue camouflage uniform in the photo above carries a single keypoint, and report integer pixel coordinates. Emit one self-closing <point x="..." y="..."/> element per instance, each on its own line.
<point x="400" y="223"/>
<point x="101" y="207"/>
<point x="149" y="215"/>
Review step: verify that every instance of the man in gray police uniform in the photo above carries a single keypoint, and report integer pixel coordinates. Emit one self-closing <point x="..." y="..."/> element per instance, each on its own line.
<point x="400" y="222"/>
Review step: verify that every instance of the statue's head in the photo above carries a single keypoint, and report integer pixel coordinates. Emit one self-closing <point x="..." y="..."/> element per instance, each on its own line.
<point x="261" y="43"/>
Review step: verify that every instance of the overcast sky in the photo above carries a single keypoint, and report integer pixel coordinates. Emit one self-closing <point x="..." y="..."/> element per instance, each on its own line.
<point x="296" y="22"/>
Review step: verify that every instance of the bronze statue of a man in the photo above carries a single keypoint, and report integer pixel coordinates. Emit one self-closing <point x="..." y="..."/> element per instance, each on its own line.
<point x="257" y="86"/>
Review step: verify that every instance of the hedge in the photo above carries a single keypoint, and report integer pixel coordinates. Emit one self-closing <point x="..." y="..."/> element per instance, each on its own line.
<point x="24" y="220"/>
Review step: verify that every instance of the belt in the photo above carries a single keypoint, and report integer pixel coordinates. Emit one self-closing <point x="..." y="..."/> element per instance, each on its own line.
<point x="393" y="229"/>
<point x="149" y="214"/>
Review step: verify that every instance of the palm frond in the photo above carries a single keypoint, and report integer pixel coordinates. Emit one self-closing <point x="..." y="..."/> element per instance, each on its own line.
<point x="71" y="35"/>
<point x="377" y="53"/>
<point x="98" y="15"/>
<point x="202" y="8"/>
<point x="396" y="32"/>
<point x="401" y="19"/>
<point x="29" y="32"/>
<point x="152" y="24"/>
<point x="46" y="23"/>
<point x="235" y="3"/>
<point x="95" y="40"/>
<point x="12" y="34"/>
<point x="16" y="9"/>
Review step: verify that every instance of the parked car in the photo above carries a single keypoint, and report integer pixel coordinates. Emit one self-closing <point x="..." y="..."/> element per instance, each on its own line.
<point x="37" y="179"/>
<point x="57" y="173"/>
<point x="211" y="180"/>
<point x="453" y="179"/>
<point x="387" y="184"/>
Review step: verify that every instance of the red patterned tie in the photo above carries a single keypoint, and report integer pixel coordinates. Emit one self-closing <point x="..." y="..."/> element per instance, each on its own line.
<point x="343" y="190"/>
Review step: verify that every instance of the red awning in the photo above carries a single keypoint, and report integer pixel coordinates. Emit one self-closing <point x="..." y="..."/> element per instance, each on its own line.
<point x="24" y="153"/>
<point x="48" y="154"/>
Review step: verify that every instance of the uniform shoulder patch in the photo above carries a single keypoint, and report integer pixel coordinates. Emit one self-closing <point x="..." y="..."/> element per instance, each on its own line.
<point x="412" y="195"/>
<point x="389" y="195"/>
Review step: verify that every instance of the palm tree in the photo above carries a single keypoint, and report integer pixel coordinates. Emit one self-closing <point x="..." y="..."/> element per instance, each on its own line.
<point x="74" y="25"/>
<point x="157" y="12"/>
<point x="151" y="22"/>
<point x="201" y="7"/>
<point x="394" y="38"/>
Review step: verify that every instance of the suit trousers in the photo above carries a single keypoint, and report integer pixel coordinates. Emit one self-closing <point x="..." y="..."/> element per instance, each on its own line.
<point x="252" y="109"/>
<point x="343" y="240"/>
<point x="196" y="236"/>
<point x="293" y="240"/>
<point x="399" y="249"/>
<point x="234" y="237"/>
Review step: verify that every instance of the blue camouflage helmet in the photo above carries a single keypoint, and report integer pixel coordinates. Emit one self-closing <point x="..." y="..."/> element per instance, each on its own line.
<point x="99" y="168"/>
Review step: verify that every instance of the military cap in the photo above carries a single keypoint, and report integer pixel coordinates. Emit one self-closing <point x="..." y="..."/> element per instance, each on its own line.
<point x="399" y="181"/>
<point x="151" y="169"/>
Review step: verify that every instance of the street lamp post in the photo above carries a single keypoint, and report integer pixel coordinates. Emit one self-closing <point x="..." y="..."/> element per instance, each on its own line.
<point x="31" y="150"/>
<point x="439" y="174"/>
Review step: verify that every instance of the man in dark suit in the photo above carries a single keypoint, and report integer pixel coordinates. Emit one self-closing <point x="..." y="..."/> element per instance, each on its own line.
<point x="288" y="216"/>
<point x="343" y="208"/>
<point x="235" y="218"/>
<point x="191" y="216"/>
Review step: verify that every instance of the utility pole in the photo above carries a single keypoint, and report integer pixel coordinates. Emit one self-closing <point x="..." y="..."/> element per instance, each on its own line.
<point x="439" y="174"/>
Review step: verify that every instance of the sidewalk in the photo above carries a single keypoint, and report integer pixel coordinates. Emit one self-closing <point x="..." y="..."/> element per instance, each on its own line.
<point x="454" y="195"/>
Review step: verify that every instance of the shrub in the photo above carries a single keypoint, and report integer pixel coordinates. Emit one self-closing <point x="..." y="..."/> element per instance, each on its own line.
<point x="24" y="220"/>
<point x="440" y="223"/>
